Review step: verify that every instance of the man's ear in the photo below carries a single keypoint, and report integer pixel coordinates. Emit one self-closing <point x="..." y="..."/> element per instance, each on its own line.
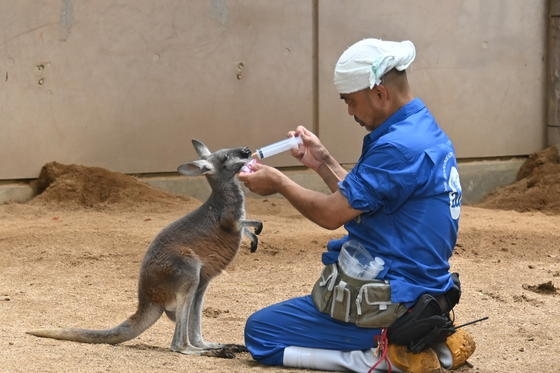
<point x="378" y="94"/>
<point x="382" y="92"/>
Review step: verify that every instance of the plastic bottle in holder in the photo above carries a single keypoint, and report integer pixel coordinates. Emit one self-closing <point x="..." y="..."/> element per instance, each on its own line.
<point x="356" y="261"/>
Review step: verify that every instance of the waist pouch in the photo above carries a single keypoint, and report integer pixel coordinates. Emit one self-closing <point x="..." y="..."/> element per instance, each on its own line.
<point x="366" y="303"/>
<point x="426" y="322"/>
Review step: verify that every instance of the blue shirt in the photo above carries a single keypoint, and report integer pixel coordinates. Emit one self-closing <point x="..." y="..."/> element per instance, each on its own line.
<point x="406" y="184"/>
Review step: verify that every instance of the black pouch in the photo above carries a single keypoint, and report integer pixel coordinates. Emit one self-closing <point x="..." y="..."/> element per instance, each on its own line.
<point x="426" y="323"/>
<point x="454" y="294"/>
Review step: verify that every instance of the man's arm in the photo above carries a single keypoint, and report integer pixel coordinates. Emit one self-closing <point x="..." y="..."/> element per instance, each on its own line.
<point x="331" y="173"/>
<point x="329" y="211"/>
<point x="314" y="155"/>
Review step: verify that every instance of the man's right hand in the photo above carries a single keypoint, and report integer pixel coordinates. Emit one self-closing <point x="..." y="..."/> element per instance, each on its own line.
<point x="312" y="153"/>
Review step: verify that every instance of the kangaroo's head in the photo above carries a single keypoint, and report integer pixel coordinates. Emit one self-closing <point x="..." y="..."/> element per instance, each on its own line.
<point x="219" y="167"/>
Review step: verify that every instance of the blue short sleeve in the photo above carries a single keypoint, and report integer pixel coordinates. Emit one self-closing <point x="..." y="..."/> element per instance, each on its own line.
<point x="382" y="185"/>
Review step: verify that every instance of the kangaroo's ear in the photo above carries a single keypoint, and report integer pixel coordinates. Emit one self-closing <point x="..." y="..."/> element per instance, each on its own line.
<point x="201" y="149"/>
<point x="196" y="168"/>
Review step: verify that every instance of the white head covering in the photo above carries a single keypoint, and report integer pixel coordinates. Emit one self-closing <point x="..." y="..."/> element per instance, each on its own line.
<point x="364" y="63"/>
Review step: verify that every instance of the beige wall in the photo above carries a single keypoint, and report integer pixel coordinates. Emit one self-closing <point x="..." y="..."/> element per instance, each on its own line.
<point x="126" y="84"/>
<point x="479" y="67"/>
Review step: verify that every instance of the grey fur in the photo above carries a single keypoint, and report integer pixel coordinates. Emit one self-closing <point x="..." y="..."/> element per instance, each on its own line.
<point x="184" y="257"/>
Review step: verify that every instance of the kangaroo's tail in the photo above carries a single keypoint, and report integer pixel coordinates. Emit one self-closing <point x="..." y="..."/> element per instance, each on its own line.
<point x="128" y="329"/>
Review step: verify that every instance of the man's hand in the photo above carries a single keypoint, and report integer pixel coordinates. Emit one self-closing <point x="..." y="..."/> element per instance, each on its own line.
<point x="263" y="180"/>
<point x="312" y="153"/>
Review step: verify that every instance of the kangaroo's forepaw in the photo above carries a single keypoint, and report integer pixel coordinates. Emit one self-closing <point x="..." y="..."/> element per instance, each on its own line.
<point x="254" y="244"/>
<point x="259" y="228"/>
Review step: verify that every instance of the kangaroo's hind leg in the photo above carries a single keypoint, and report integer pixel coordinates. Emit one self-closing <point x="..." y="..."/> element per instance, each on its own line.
<point x="195" y="327"/>
<point x="227" y="351"/>
<point x="185" y="295"/>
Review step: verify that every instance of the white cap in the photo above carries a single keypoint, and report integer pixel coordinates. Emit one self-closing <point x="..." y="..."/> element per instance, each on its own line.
<point x="364" y="63"/>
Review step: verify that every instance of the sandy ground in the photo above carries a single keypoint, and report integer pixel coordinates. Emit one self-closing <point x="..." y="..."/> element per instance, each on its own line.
<point x="66" y="262"/>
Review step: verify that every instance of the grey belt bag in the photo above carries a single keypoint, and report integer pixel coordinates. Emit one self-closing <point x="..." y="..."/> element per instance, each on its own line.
<point x="366" y="303"/>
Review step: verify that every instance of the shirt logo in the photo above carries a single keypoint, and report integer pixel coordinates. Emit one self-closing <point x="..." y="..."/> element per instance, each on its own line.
<point x="456" y="193"/>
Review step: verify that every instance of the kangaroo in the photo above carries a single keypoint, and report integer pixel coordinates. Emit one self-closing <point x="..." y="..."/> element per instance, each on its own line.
<point x="183" y="258"/>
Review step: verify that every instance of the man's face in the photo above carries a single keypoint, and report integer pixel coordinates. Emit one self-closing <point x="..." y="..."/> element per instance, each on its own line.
<point x="365" y="107"/>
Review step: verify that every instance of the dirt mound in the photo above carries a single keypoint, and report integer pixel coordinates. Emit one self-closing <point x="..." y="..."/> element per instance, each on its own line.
<point x="537" y="187"/>
<point x="76" y="186"/>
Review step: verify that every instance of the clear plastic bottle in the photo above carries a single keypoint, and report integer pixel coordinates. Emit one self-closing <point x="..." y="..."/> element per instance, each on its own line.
<point x="356" y="261"/>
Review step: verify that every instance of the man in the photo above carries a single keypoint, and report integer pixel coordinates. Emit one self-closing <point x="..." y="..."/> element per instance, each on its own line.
<point x="401" y="202"/>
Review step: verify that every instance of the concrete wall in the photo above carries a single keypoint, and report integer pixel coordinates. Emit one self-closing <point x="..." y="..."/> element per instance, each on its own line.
<point x="125" y="84"/>
<point x="480" y="67"/>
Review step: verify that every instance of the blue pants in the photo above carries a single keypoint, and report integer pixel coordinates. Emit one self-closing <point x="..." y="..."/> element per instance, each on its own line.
<point x="296" y="322"/>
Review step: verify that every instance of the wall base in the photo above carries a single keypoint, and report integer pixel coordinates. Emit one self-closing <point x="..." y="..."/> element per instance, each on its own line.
<point x="478" y="178"/>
